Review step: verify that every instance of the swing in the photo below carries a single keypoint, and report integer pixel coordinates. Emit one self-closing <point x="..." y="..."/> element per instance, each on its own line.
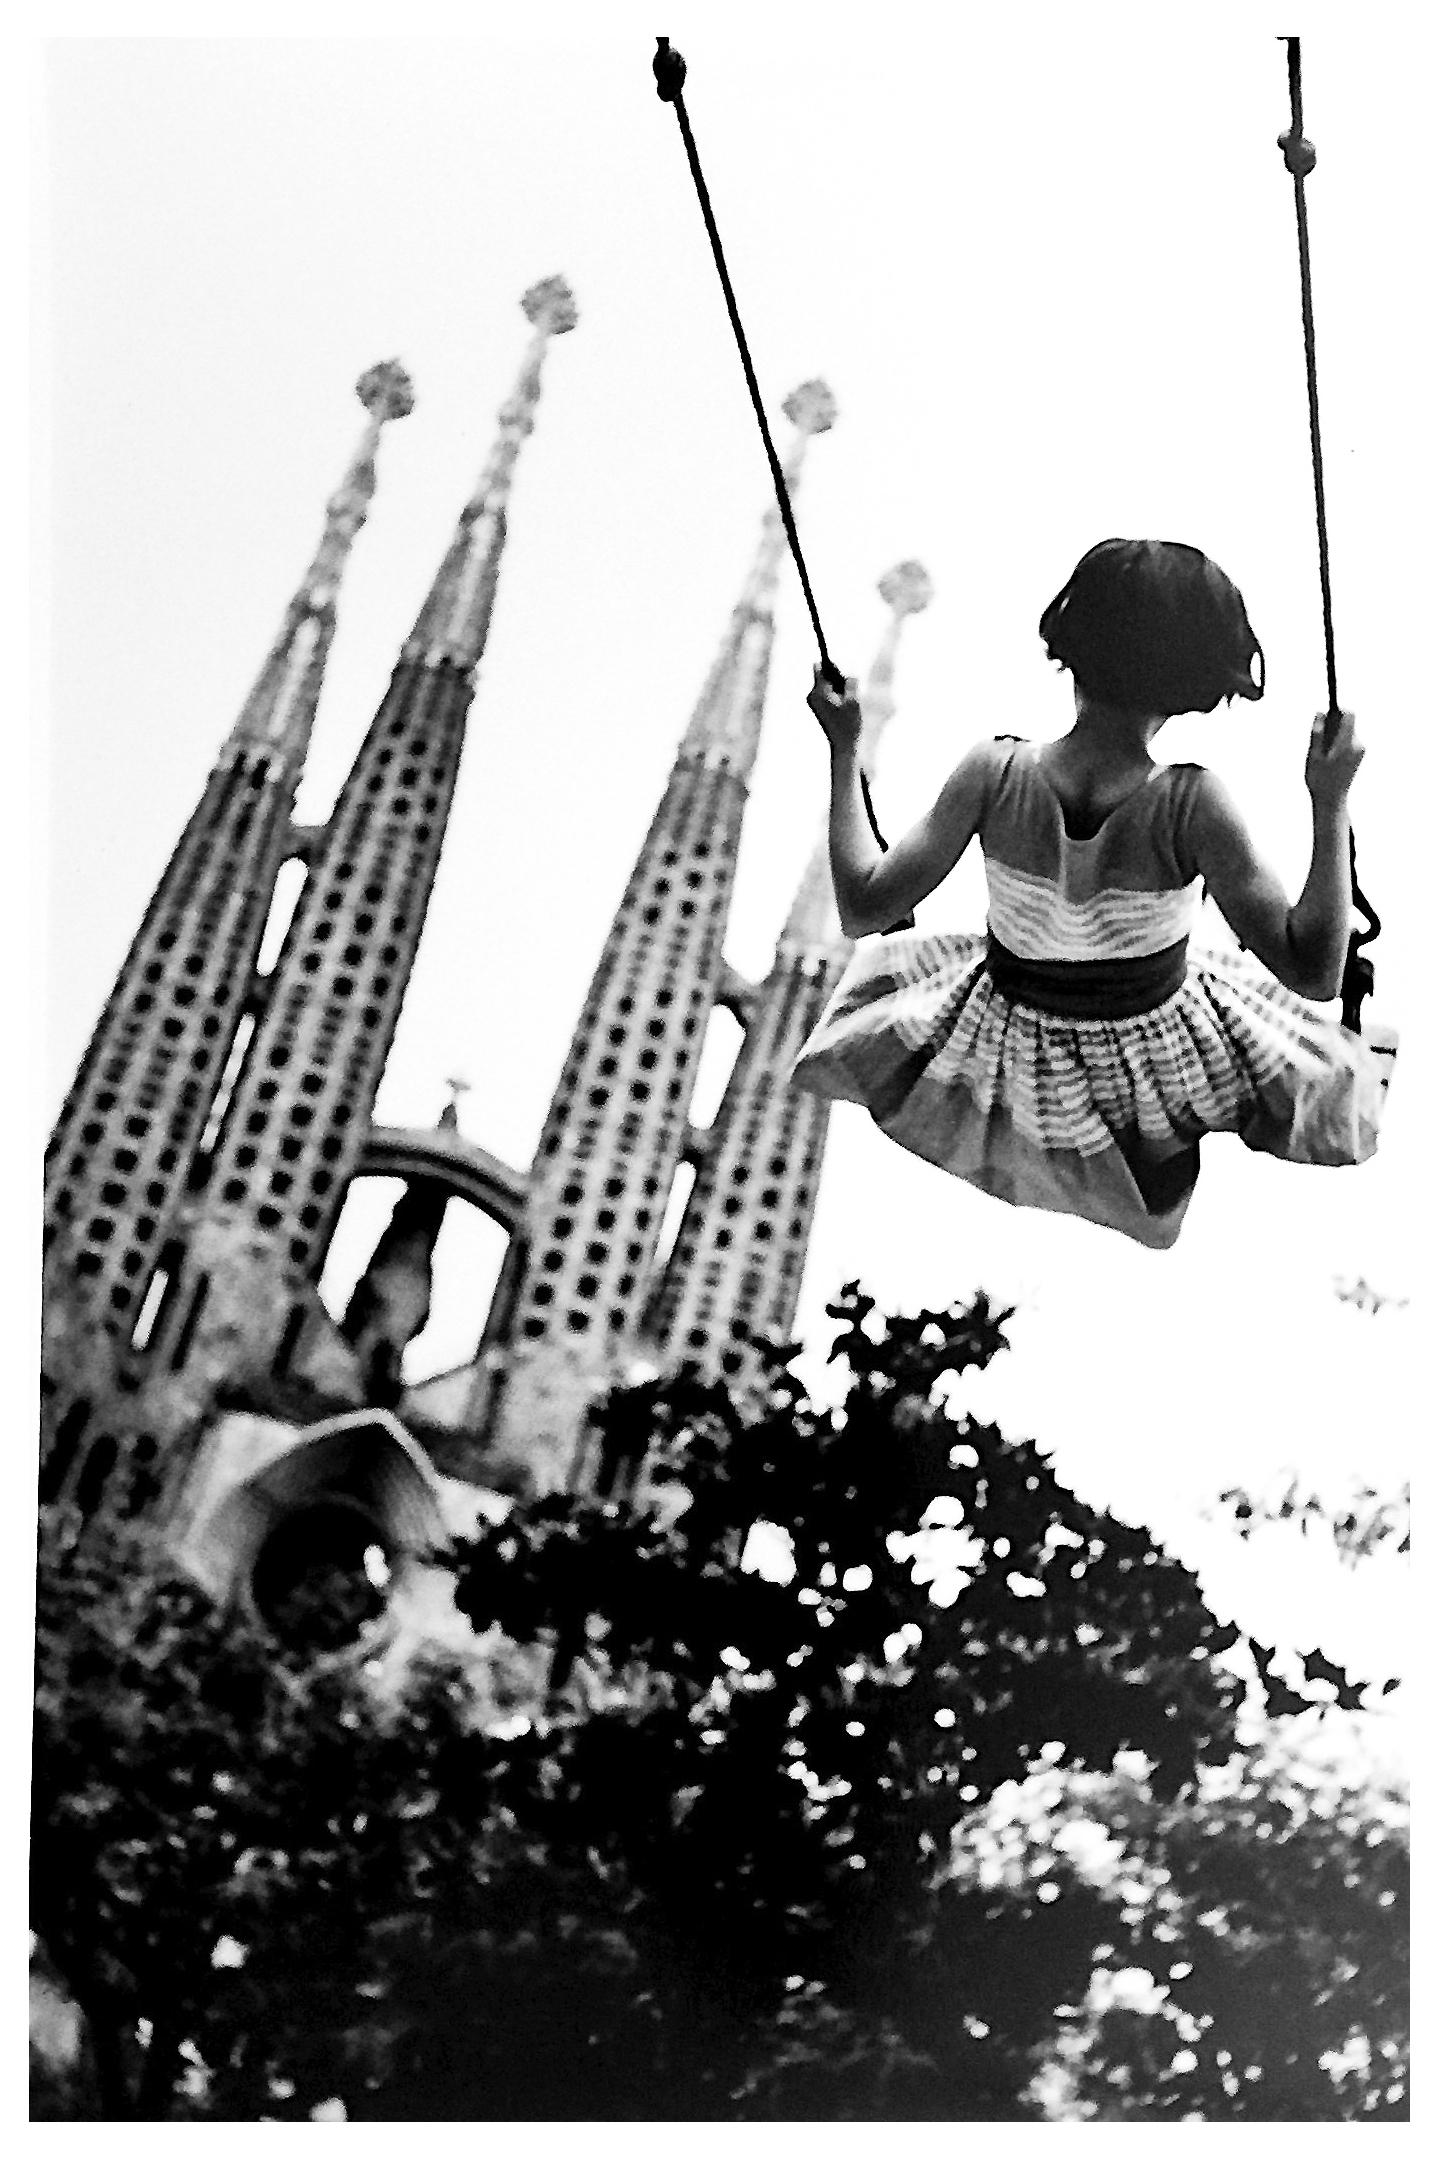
<point x="1358" y="980"/>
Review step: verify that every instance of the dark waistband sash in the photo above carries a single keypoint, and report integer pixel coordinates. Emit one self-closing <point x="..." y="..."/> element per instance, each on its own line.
<point x="1089" y="989"/>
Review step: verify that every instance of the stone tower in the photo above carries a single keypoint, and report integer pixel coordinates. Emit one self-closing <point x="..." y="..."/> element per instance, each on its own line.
<point x="125" y="1148"/>
<point x="572" y="1294"/>
<point x="740" y="1251"/>
<point x="298" y="1119"/>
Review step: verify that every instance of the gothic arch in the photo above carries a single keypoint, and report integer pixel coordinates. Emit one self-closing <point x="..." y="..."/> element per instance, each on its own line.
<point x="445" y="1158"/>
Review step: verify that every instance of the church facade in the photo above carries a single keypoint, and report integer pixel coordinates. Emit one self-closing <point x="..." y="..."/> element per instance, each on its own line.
<point x="220" y="1115"/>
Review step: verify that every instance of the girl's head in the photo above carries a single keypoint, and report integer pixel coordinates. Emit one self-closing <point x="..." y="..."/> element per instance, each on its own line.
<point x="1153" y="626"/>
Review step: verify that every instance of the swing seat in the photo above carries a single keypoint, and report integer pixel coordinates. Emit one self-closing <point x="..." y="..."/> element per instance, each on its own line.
<point x="1383" y="1043"/>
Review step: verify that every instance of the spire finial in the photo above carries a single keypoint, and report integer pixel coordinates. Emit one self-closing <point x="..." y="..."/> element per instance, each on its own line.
<point x="386" y="393"/>
<point x="725" y="726"/>
<point x="453" y="623"/>
<point x="811" y="407"/>
<point x="550" y="305"/>
<point x="811" y="410"/>
<point x="281" y="707"/>
<point x="813" y="923"/>
<point x="906" y="590"/>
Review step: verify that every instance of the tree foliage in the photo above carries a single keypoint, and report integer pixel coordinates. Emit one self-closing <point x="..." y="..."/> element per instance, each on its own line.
<point x="1251" y="1961"/>
<point x="218" y="1821"/>
<point x="744" y="1854"/>
<point x="1367" y="1522"/>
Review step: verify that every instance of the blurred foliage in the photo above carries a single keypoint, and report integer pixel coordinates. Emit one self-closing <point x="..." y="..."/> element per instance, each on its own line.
<point x="1252" y="1960"/>
<point x="760" y="1849"/>
<point x="1365" y="1523"/>
<point x="201" y="1791"/>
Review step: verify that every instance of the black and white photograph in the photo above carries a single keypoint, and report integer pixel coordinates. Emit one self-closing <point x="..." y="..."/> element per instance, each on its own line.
<point x="727" y="860"/>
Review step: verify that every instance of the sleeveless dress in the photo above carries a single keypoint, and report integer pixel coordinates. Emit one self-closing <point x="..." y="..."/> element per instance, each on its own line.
<point x="1073" y="1058"/>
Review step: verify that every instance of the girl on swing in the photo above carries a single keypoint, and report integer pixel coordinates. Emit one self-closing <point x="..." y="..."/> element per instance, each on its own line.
<point x="1074" y="1057"/>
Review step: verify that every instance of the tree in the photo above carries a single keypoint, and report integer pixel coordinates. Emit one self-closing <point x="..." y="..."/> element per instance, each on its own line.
<point x="220" y="1819"/>
<point x="729" y="1863"/>
<point x="1253" y="1964"/>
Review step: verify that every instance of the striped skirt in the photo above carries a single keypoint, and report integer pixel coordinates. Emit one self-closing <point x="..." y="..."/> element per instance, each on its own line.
<point x="1087" y="1115"/>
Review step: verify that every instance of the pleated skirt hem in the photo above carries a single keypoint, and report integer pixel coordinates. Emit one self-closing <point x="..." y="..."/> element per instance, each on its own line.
<point x="1099" y="1119"/>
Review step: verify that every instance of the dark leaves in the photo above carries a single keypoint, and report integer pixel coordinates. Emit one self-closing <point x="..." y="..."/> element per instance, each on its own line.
<point x="717" y="1866"/>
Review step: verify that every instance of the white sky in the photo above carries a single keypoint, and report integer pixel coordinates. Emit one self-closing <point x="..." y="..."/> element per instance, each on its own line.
<point x="1046" y="259"/>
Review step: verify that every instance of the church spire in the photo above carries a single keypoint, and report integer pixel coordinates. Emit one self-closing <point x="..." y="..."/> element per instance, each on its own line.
<point x="725" y="727"/>
<point x="573" y="1291"/>
<point x="296" y="1124"/>
<point x="455" y="618"/>
<point x="739" y="1254"/>
<point x="124" y="1150"/>
<point x="280" y="710"/>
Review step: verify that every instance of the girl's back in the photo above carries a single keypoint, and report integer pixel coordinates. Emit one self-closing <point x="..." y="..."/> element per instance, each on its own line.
<point x="1119" y="886"/>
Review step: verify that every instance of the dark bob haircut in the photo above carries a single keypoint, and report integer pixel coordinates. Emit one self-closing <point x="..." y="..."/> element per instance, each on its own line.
<point x="1153" y="626"/>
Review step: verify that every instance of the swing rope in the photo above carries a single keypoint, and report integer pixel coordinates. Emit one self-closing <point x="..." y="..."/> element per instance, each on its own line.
<point x="1358" y="979"/>
<point x="669" y="70"/>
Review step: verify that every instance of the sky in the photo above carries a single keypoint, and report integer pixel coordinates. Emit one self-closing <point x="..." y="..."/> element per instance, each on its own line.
<point x="1046" y="260"/>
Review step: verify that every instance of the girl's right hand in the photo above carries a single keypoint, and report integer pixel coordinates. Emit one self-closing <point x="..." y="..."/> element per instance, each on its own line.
<point x="839" y="716"/>
<point x="1329" y="771"/>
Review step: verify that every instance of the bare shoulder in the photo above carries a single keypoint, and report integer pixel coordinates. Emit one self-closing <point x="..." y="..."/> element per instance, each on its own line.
<point x="984" y="762"/>
<point x="1216" y="836"/>
<point x="1205" y="826"/>
<point x="1210" y="808"/>
<point x="966" y="794"/>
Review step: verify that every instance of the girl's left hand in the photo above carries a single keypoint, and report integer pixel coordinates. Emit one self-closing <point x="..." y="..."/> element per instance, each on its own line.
<point x="1330" y="770"/>
<point x="839" y="716"/>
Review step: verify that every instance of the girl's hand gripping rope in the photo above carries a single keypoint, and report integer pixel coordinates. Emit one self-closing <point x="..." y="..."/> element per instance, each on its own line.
<point x="837" y="711"/>
<point x="857" y="845"/>
<point x="1331" y="764"/>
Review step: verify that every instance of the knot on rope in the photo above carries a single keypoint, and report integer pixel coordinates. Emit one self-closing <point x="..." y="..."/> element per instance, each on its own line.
<point x="1298" y="153"/>
<point x="669" y="67"/>
<point x="1356" y="984"/>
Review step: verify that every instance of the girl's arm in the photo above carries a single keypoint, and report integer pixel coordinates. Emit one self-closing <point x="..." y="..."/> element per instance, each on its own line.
<point x="1303" y="946"/>
<point x="874" y="887"/>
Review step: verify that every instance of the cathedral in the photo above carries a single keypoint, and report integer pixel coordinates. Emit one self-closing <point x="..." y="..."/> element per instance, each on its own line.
<point x="204" y="1151"/>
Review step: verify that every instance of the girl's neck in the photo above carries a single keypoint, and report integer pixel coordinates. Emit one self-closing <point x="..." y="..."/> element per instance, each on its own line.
<point x="1111" y="734"/>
